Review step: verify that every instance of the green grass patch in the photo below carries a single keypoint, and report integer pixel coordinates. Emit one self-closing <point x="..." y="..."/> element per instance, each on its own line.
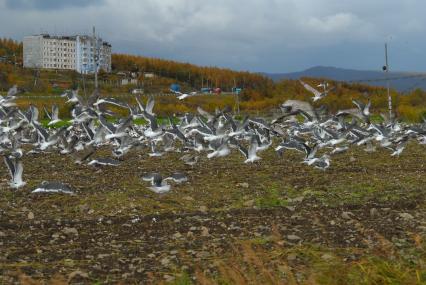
<point x="271" y="198"/>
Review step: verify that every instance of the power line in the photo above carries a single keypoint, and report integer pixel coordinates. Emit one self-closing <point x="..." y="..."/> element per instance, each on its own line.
<point x="388" y="79"/>
<point x="412" y="87"/>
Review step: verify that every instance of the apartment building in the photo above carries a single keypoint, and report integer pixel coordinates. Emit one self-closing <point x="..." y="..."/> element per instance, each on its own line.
<point x="66" y="52"/>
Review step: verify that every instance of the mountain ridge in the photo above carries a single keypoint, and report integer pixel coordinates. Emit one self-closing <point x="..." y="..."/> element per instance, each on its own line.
<point x="368" y="77"/>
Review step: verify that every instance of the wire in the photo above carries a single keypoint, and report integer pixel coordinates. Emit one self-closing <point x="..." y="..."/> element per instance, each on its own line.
<point x="390" y="78"/>
<point x="412" y="87"/>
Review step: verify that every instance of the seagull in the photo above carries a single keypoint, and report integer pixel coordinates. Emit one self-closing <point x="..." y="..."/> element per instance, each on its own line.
<point x="10" y="97"/>
<point x="317" y="94"/>
<point x="104" y="162"/>
<point x="186" y="95"/>
<point x="111" y="101"/>
<point x="53" y="187"/>
<point x="154" y="152"/>
<point x="364" y="109"/>
<point x="154" y="130"/>
<point x="84" y="155"/>
<point x="250" y="154"/>
<point x="72" y="96"/>
<point x="54" y="116"/>
<point x="69" y="144"/>
<point x="189" y="159"/>
<point x="206" y="115"/>
<point x="159" y="185"/>
<point x="340" y="149"/>
<point x="220" y="149"/>
<point x="15" y="170"/>
<point x="48" y="139"/>
<point x="321" y="163"/>
<point x="115" y="131"/>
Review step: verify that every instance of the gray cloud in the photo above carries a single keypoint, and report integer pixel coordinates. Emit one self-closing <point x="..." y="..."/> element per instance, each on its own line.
<point x="49" y="4"/>
<point x="257" y="35"/>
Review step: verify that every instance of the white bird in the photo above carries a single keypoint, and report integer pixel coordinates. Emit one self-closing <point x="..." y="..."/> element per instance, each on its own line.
<point x="53" y="187"/>
<point x="190" y="159"/>
<point x="54" y="116"/>
<point x="159" y="185"/>
<point x="104" y="162"/>
<point x="317" y="94"/>
<point x="250" y="154"/>
<point x="15" y="170"/>
<point x="186" y="95"/>
<point x="220" y="149"/>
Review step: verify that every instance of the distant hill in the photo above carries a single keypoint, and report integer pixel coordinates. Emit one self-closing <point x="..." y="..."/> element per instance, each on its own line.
<point x="347" y="75"/>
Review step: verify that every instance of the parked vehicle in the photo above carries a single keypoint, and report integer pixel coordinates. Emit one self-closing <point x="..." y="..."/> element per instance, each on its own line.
<point x="175" y="88"/>
<point x="205" y="90"/>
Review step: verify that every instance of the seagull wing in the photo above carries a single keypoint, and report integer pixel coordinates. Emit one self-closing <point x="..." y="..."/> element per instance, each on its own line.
<point x="150" y="105"/>
<point x="10" y="166"/>
<point x="34" y="113"/>
<point x="55" y="113"/>
<point x="19" y="169"/>
<point x="311" y="89"/>
<point x="205" y="114"/>
<point x="93" y="98"/>
<point x="254" y="144"/>
<point x="42" y="132"/>
<point x="148" y="176"/>
<point x="47" y="113"/>
<point x="178" y="177"/>
<point x="359" y="105"/>
<point x="243" y="150"/>
<point x="108" y="126"/>
<point x="12" y="91"/>
<point x="138" y="100"/>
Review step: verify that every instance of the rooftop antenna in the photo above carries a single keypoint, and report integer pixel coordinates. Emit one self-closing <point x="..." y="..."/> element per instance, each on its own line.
<point x="386" y="70"/>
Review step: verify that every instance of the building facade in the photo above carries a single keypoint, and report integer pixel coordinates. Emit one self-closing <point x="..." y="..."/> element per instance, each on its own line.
<point x="69" y="53"/>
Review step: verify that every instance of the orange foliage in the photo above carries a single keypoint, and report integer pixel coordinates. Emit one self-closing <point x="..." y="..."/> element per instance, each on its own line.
<point x="193" y="75"/>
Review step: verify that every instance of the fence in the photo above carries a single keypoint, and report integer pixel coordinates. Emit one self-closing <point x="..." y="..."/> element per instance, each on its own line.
<point x="121" y="95"/>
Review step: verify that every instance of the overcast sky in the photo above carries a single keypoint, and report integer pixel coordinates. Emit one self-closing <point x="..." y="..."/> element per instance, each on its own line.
<point x="255" y="35"/>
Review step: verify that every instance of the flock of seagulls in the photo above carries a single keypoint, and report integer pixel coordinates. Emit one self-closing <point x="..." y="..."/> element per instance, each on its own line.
<point x="313" y="132"/>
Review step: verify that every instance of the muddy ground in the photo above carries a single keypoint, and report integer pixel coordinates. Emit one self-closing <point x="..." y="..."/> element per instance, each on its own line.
<point x="278" y="221"/>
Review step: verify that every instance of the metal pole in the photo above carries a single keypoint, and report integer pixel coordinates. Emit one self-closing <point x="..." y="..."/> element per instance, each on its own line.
<point x="95" y="57"/>
<point x="237" y="96"/>
<point x="388" y="83"/>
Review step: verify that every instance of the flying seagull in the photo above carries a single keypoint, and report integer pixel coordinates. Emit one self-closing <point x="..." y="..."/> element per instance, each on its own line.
<point x="159" y="185"/>
<point x="15" y="170"/>
<point x="54" y="116"/>
<point x="186" y="95"/>
<point x="317" y="94"/>
<point x="250" y="153"/>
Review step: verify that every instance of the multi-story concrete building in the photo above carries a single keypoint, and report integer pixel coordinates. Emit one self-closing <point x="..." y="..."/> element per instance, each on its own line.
<point x="72" y="53"/>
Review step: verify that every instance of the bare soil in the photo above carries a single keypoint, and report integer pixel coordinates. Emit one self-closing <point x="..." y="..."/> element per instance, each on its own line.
<point x="267" y="223"/>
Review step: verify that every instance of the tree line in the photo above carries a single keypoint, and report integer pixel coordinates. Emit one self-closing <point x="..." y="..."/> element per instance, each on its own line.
<point x="193" y="75"/>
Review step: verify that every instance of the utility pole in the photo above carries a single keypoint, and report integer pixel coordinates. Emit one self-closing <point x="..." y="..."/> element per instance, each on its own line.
<point x="237" y="96"/>
<point x="95" y="57"/>
<point x="386" y="69"/>
<point x="14" y="61"/>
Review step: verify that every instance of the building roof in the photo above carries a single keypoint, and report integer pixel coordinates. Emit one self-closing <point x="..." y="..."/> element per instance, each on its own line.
<point x="70" y="38"/>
